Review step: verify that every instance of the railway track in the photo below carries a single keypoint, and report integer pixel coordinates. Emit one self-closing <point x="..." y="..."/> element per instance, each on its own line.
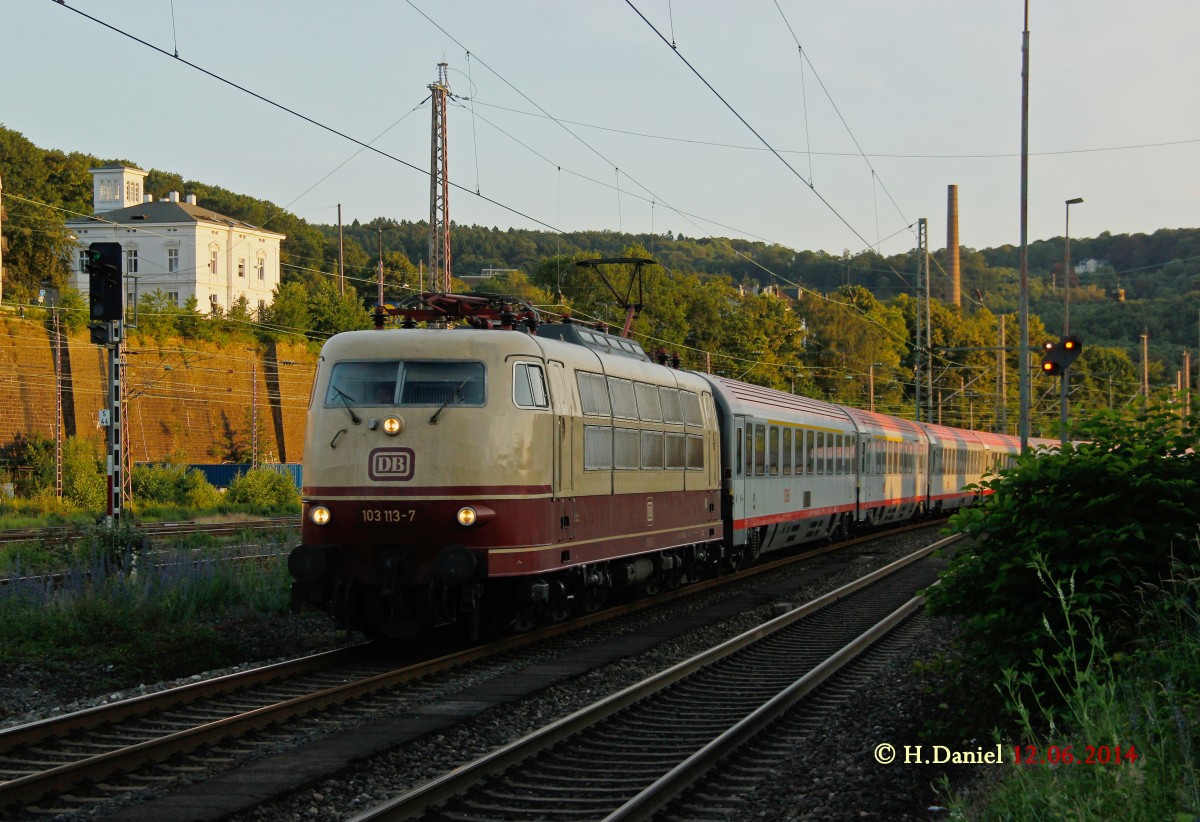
<point x="49" y="759"/>
<point x="629" y="754"/>
<point x="156" y="530"/>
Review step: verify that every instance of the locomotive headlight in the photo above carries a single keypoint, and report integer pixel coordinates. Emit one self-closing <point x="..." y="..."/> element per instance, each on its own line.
<point x="393" y="426"/>
<point x="319" y="515"/>
<point x="474" y="515"/>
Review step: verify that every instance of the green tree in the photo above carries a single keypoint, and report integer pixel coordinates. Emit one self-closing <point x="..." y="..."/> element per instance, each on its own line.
<point x="1113" y="515"/>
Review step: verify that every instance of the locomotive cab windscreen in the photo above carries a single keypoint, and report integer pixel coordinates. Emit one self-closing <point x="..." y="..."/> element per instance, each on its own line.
<point x="406" y="383"/>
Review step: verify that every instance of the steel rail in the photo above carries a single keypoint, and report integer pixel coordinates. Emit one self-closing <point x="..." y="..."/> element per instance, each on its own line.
<point x="32" y="787"/>
<point x="456" y="782"/>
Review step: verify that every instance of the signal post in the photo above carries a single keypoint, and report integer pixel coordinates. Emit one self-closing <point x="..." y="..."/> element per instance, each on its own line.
<point x="1057" y="362"/>
<point x="106" y="313"/>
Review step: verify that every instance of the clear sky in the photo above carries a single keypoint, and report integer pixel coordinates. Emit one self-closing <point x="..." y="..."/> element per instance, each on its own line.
<point x="929" y="91"/>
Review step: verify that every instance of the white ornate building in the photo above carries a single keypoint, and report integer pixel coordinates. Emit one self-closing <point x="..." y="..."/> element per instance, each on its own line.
<point x="176" y="247"/>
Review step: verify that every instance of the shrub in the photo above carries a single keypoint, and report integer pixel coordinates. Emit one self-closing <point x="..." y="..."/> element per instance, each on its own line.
<point x="85" y="481"/>
<point x="173" y="484"/>
<point x="1114" y="514"/>
<point x="263" y="490"/>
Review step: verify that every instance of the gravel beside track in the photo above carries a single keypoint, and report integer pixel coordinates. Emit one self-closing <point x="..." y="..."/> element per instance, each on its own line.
<point x="833" y="777"/>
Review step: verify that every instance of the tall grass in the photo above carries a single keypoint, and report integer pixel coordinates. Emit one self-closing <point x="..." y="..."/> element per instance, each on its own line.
<point x="1147" y="701"/>
<point x="164" y="619"/>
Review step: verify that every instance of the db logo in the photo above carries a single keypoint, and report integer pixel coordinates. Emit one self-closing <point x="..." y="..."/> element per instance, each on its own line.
<point x="391" y="464"/>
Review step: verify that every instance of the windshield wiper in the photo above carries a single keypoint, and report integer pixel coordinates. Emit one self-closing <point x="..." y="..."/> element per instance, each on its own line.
<point x="453" y="394"/>
<point x="346" y="400"/>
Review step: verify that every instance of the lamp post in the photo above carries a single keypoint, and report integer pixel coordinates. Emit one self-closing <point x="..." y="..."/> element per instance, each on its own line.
<point x="1065" y="380"/>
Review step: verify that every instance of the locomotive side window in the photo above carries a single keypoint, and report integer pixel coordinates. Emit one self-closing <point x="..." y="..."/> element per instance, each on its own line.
<point x="623" y="404"/>
<point x="593" y="394"/>
<point x="649" y="408"/>
<point x="695" y="453"/>
<point x="675" y="451"/>
<point x="597" y="448"/>
<point x="529" y="386"/>
<point x="625" y="448"/>
<point x="435" y="383"/>
<point x="691" y="408"/>
<point x="669" y="398"/>
<point x="362" y="383"/>
<point x="652" y="449"/>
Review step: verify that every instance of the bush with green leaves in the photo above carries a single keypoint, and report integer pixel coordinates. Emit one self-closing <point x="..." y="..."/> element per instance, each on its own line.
<point x="173" y="484"/>
<point x="264" y="490"/>
<point x="1115" y="513"/>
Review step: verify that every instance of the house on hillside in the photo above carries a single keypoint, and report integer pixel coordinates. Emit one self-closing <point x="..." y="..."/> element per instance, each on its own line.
<point x="177" y="247"/>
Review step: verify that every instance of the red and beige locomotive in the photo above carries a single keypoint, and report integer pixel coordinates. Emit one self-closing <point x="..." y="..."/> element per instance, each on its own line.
<point x="492" y="477"/>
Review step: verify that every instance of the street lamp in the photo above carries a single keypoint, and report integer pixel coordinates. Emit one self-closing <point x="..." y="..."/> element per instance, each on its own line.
<point x="1066" y="373"/>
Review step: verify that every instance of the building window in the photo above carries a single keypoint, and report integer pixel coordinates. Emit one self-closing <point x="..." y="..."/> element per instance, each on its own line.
<point x="131" y="261"/>
<point x="173" y="296"/>
<point x="262" y="268"/>
<point x="173" y="260"/>
<point x="212" y="302"/>
<point x="262" y="310"/>
<point x="130" y="298"/>
<point x="83" y="255"/>
<point x="242" y="267"/>
<point x="212" y="263"/>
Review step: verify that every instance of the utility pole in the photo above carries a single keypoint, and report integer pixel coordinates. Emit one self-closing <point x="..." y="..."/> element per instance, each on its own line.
<point x="58" y="405"/>
<point x="439" y="187"/>
<point x="341" y="255"/>
<point x="1024" y="305"/>
<point x="380" y="267"/>
<point x="1001" y="385"/>
<point x="1187" y="383"/>
<point x="922" y="254"/>
<point x="254" y="409"/>
<point x="1146" y="365"/>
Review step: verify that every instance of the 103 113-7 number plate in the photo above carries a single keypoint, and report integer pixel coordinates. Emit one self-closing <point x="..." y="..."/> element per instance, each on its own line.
<point x="388" y="515"/>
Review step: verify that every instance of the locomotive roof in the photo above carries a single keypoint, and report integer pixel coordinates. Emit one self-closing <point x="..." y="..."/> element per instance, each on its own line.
<point x="592" y="338"/>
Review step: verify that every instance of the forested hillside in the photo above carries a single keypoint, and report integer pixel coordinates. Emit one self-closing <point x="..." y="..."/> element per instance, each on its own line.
<point x="847" y="321"/>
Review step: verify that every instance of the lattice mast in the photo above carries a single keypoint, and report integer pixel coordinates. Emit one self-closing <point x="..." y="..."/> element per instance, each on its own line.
<point x="439" y="187"/>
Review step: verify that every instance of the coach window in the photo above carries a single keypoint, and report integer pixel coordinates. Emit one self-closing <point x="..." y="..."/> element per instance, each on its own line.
<point x="647" y="401"/>
<point x="737" y="459"/>
<point x="841" y="454"/>
<point x="623" y="404"/>
<point x="773" y="452"/>
<point x="760" y="450"/>
<point x="529" y="386"/>
<point x="787" y="452"/>
<point x="810" y="453"/>
<point x="593" y="394"/>
<point x="748" y="459"/>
